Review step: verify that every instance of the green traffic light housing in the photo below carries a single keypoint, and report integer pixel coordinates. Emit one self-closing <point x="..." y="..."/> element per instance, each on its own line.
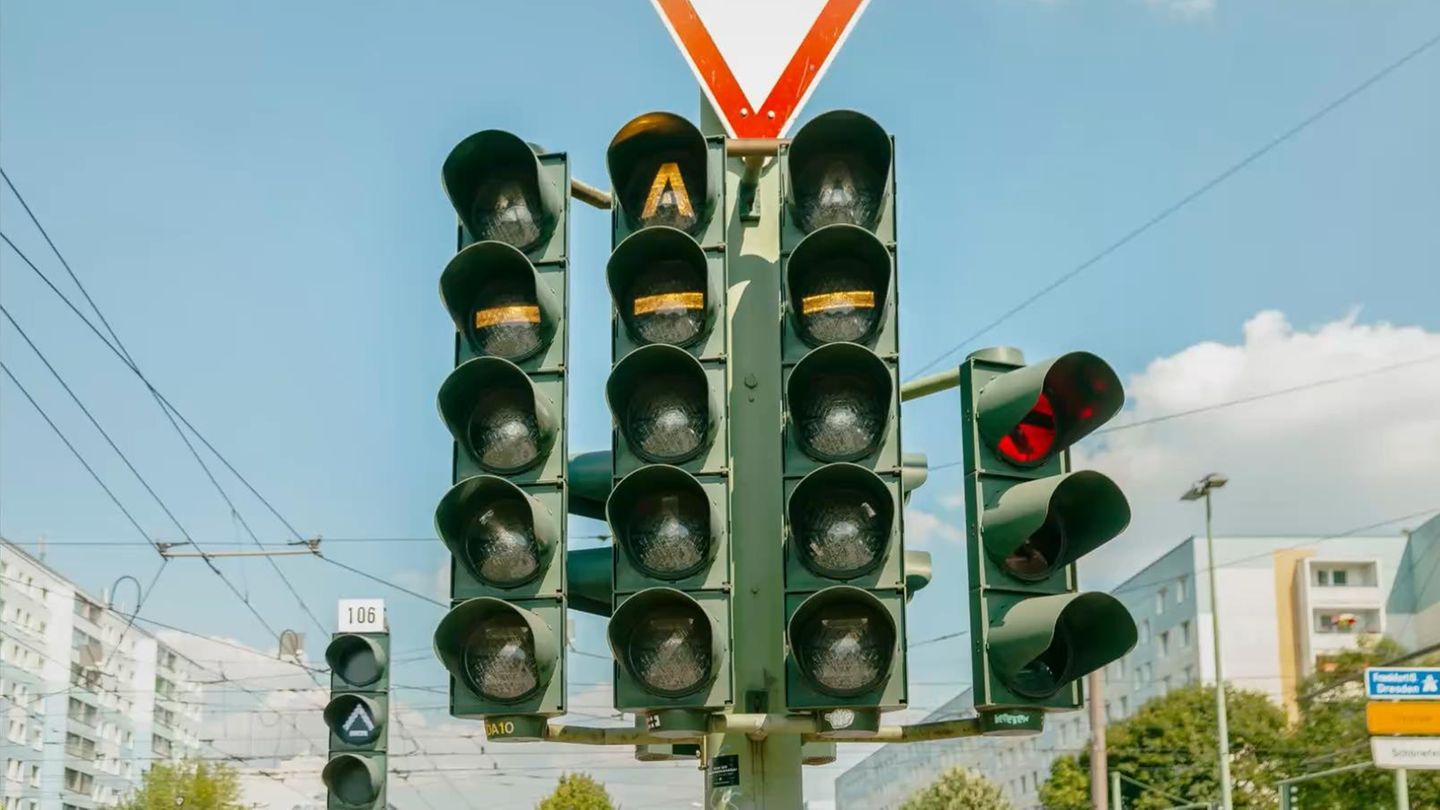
<point x="670" y="649"/>
<point x="660" y="170"/>
<point x="499" y="302"/>
<point x="356" y="662"/>
<point x="501" y="421"/>
<point x="841" y="401"/>
<point x="665" y="523"/>
<point x="356" y="781"/>
<point x="839" y="171"/>
<point x="1030" y="415"/>
<point x="663" y="405"/>
<point x="663" y="288"/>
<point x="1040" y="645"/>
<point x="495" y="183"/>
<point x="504" y="654"/>
<point x="503" y="537"/>
<point x="1036" y="528"/>
<point x="837" y="284"/>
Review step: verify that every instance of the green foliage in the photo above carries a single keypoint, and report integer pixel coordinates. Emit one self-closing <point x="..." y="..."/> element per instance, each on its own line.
<point x="1332" y="733"/>
<point x="577" y="791"/>
<point x="201" y="786"/>
<point x="958" y="789"/>
<point x="1170" y="745"/>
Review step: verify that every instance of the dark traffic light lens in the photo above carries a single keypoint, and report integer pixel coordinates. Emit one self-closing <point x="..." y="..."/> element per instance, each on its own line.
<point x="503" y="431"/>
<point x="668" y="533"/>
<point x="506" y="210"/>
<point x="667" y="303"/>
<point x="837" y="302"/>
<point x="501" y="543"/>
<point x="501" y="659"/>
<point x="842" y="533"/>
<point x="668" y="418"/>
<point x="506" y="320"/>
<point x="351" y="782"/>
<point x="1038" y="556"/>
<point x="669" y="650"/>
<point x="1031" y="440"/>
<point x="838" y="191"/>
<point x="840" y="416"/>
<point x="845" y="647"/>
<point x="354" y="661"/>
<point x="1042" y="677"/>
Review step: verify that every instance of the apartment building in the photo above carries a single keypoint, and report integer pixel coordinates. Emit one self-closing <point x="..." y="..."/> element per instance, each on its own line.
<point x="1286" y="603"/>
<point x="88" y="700"/>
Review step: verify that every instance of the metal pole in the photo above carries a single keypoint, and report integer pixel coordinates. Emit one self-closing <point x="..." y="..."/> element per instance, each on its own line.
<point x="934" y="383"/>
<point x="1402" y="790"/>
<point x="1099" y="761"/>
<point x="1222" y="730"/>
<point x="1116" y="802"/>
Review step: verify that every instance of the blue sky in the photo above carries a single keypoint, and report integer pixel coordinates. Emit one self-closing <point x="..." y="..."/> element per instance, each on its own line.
<point x="251" y="193"/>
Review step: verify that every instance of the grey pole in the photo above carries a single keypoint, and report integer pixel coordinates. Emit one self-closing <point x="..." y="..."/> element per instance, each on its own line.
<point x="1099" y="762"/>
<point x="1222" y="730"/>
<point x="1402" y="790"/>
<point x="1116" y="803"/>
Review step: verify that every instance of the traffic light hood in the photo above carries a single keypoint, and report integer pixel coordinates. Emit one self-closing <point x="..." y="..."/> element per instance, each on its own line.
<point x="638" y="288"/>
<point x="1062" y="518"/>
<point x="648" y="487"/>
<point x="355" y="781"/>
<point x="644" y="158"/>
<point x="841" y="518"/>
<point x="476" y="498"/>
<point x="458" y="634"/>
<point x="838" y="271"/>
<point x="846" y="629"/>
<point x="357" y="660"/>
<point x="840" y="398"/>
<point x="1042" y="644"/>
<point x="489" y="387"/>
<point x="492" y="164"/>
<point x="855" y="145"/>
<point x="492" y="284"/>
<point x="1030" y="415"/>
<point x="655" y="373"/>
<point x="659" y="605"/>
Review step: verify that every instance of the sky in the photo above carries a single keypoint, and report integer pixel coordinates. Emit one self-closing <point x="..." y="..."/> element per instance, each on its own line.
<point x="250" y="193"/>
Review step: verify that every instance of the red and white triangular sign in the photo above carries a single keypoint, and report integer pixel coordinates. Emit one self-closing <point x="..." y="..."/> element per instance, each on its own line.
<point x="759" y="60"/>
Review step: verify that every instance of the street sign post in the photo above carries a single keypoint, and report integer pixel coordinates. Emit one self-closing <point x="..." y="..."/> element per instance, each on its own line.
<point x="1402" y="683"/>
<point x="1409" y="753"/>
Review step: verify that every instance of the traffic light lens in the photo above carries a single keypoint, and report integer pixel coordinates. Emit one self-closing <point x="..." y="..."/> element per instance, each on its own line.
<point x="505" y="210"/>
<point x="670" y="651"/>
<point x="1039" y="555"/>
<point x="837" y="302"/>
<point x="1032" y="438"/>
<point x="506" y="322"/>
<point x="667" y="303"/>
<point x="1043" y="676"/>
<point x="503" y="432"/>
<point x="668" y="534"/>
<point x="351" y="782"/>
<point x="840" y="417"/>
<point x="842" y="533"/>
<point x="502" y="543"/>
<point x="354" y="661"/>
<point x="667" y="418"/>
<point x="501" y="659"/>
<point x="837" y="192"/>
<point x="846" y="647"/>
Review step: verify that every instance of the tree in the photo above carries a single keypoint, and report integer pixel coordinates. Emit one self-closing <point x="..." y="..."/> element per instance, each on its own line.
<point x="1170" y="745"/>
<point x="577" y="791"/>
<point x="189" y="785"/>
<point x="958" y="789"/>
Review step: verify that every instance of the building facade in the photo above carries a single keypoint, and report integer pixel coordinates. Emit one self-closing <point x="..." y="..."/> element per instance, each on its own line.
<point x="88" y="700"/>
<point x="1286" y="603"/>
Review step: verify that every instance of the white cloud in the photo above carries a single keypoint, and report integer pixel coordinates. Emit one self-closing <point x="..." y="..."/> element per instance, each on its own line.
<point x="1184" y="9"/>
<point x="924" y="529"/>
<point x="1321" y="460"/>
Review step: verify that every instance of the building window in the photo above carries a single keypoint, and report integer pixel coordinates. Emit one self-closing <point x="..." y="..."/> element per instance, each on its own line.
<point x="1165" y="643"/>
<point x="1124" y="706"/>
<point x="1185" y="633"/>
<point x="1180" y="591"/>
<point x="1160" y="598"/>
<point x="1332" y="577"/>
<point x="1145" y="632"/>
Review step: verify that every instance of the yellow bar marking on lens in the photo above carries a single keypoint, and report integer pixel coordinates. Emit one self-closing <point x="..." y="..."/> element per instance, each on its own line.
<point x="646" y="304"/>
<point x="851" y="299"/>
<point x="668" y="177"/>
<point x="514" y="314"/>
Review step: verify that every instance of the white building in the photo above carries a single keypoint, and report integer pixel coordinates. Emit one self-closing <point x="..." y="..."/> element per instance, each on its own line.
<point x="87" y="700"/>
<point x="1286" y="603"/>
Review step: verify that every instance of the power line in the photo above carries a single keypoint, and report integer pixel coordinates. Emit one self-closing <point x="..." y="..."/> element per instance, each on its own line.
<point x="1184" y="201"/>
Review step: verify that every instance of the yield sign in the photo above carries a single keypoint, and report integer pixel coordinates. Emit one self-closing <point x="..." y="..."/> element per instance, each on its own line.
<point x="759" y="60"/>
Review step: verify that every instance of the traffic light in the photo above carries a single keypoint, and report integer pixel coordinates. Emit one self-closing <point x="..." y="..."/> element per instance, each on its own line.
<point x="357" y="716"/>
<point x="503" y="519"/>
<point x="845" y="477"/>
<point x="1029" y="518"/>
<point x="670" y="626"/>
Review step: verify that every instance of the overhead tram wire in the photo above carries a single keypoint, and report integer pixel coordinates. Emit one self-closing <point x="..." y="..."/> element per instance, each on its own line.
<point x="1184" y="201"/>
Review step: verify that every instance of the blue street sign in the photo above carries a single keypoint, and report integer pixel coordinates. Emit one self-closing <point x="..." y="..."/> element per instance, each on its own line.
<point x="1402" y="683"/>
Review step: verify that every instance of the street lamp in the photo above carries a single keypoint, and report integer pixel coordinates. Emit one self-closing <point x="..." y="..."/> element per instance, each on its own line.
<point x="1202" y="489"/>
